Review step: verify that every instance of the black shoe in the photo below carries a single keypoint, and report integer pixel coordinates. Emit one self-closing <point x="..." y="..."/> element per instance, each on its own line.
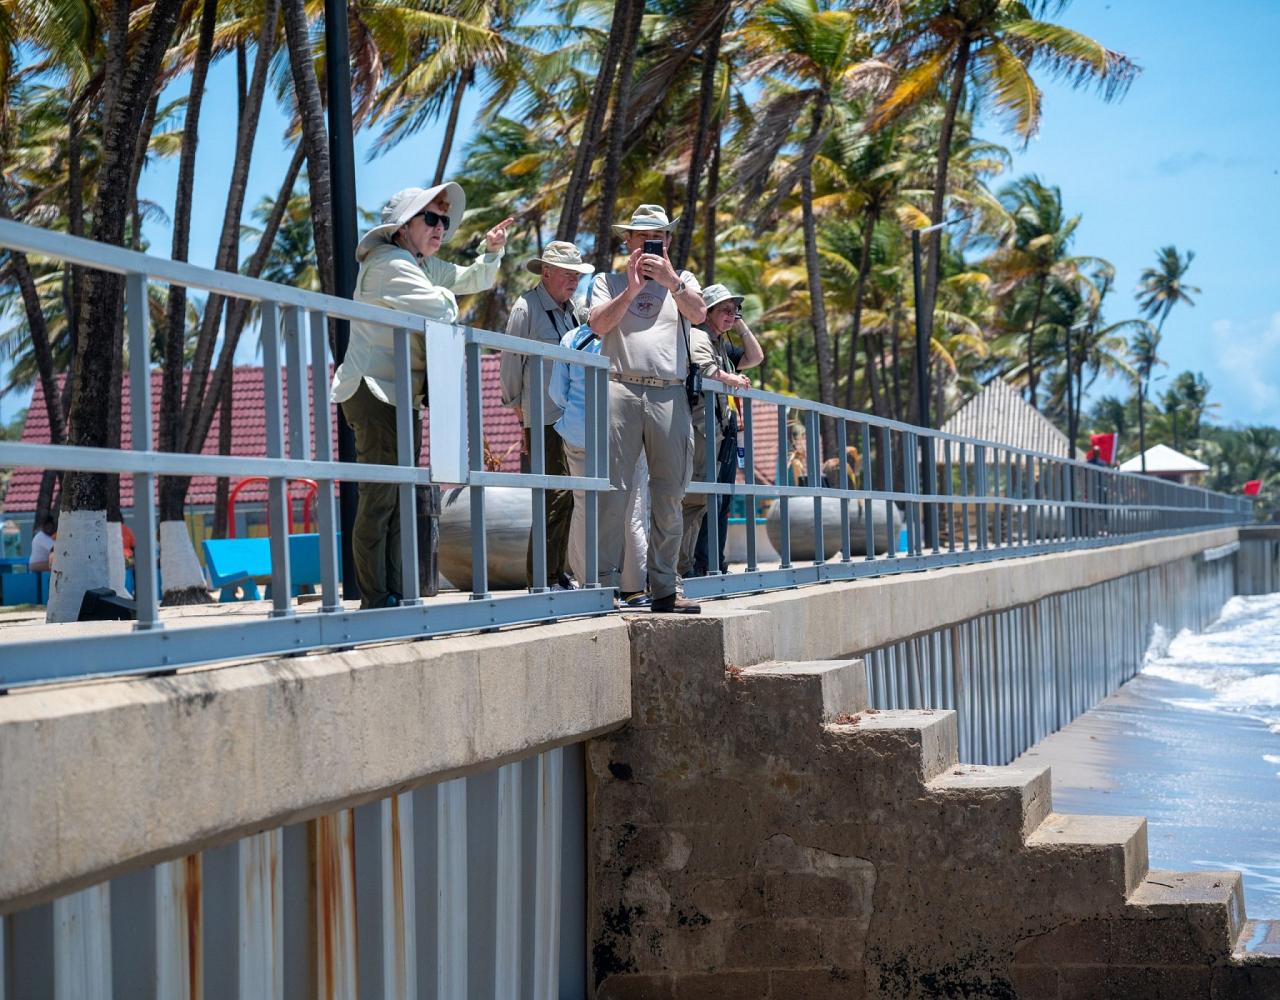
<point x="673" y="604"/>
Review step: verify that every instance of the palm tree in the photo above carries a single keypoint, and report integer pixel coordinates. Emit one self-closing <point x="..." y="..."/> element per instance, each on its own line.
<point x="991" y="46"/>
<point x="821" y="58"/>
<point x="1144" y="352"/>
<point x="131" y="76"/>
<point x="1160" y="289"/>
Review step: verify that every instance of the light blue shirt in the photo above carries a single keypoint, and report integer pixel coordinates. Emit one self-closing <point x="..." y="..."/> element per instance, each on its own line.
<point x="567" y="388"/>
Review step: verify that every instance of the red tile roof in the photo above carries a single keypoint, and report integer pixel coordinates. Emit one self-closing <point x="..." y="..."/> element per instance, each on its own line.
<point x="248" y="434"/>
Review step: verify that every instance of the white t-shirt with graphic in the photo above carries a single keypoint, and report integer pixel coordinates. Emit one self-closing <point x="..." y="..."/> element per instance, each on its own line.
<point x="649" y="341"/>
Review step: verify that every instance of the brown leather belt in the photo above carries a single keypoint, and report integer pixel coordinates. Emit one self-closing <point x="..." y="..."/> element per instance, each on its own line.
<point x="653" y="383"/>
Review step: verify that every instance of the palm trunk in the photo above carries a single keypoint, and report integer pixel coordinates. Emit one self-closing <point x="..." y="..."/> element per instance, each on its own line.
<point x="227" y="258"/>
<point x="465" y="79"/>
<point x="1142" y="424"/>
<point x="130" y="83"/>
<point x="580" y="175"/>
<point x="701" y="137"/>
<point x="897" y="367"/>
<point x="817" y="301"/>
<point x="1032" y="379"/>
<point x="315" y="136"/>
<point x="238" y="310"/>
<point x="709" y="223"/>
<point x="933" y="269"/>
<point x="173" y="492"/>
<point x="864" y="264"/>
<point x="222" y="488"/>
<point x="617" y="132"/>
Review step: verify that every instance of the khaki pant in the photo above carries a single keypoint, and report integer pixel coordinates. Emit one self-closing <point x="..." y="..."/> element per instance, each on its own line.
<point x="375" y="538"/>
<point x="559" y="508"/>
<point x="653" y="421"/>
<point x="694" y="505"/>
<point x="636" y="550"/>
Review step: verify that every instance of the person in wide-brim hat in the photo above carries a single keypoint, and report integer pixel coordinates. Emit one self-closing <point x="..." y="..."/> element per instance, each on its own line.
<point x="400" y="269"/>
<point x="647" y="218"/>
<point x="562" y="254"/>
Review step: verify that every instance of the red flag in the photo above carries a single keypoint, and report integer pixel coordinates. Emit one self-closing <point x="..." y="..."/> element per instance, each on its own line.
<point x="1253" y="487"/>
<point x="1106" y="445"/>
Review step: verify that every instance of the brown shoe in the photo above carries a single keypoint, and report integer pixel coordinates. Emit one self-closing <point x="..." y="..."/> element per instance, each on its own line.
<point x="675" y="605"/>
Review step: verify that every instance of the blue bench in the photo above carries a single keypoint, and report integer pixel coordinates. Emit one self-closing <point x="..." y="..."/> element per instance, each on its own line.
<point x="236" y="564"/>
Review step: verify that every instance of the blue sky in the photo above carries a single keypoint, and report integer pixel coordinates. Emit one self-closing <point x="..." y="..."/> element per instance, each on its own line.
<point x="1191" y="156"/>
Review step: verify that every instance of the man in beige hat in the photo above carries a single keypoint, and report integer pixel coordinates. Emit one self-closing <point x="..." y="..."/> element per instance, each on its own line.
<point x="643" y="316"/>
<point x="545" y="313"/>
<point x="399" y="270"/>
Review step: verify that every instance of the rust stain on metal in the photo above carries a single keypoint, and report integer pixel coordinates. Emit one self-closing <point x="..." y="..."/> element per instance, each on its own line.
<point x="397" y="882"/>
<point x="192" y="893"/>
<point x="328" y="880"/>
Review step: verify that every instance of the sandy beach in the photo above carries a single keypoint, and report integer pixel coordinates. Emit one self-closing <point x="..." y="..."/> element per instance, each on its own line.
<point x="1203" y="768"/>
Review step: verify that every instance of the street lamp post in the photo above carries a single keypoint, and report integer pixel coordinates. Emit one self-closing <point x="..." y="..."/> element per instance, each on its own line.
<point x="342" y="181"/>
<point x="924" y="331"/>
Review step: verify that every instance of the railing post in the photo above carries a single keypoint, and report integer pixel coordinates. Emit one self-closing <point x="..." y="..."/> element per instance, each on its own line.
<point x="296" y="385"/>
<point x="980" y="472"/>
<point x="842" y="480"/>
<point x="406" y="458"/>
<point x="711" y="473"/>
<point x="931" y="491"/>
<point x="813" y="441"/>
<point x="886" y="476"/>
<point x="538" y="467"/>
<point x="595" y="397"/>
<point x="277" y="486"/>
<point x="327" y="508"/>
<point x="868" y="505"/>
<point x="749" y="474"/>
<point x="784" y="504"/>
<point x="475" y="462"/>
<point x="146" y="596"/>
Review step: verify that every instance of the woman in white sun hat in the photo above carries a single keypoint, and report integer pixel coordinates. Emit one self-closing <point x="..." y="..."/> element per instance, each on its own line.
<point x="399" y="269"/>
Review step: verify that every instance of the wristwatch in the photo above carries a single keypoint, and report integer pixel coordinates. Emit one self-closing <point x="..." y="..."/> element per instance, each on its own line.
<point x="684" y="283"/>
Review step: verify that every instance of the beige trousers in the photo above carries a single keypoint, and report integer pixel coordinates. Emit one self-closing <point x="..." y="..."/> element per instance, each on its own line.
<point x="653" y="421"/>
<point x="635" y="553"/>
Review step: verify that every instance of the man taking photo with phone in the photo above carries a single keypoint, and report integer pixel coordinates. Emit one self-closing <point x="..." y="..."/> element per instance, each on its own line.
<point x="643" y="316"/>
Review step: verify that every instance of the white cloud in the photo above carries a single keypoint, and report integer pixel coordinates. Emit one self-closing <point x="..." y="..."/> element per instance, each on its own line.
<point x="1248" y="354"/>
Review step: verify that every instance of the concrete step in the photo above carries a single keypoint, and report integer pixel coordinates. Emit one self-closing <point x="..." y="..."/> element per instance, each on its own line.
<point x="820" y="690"/>
<point x="1108" y="852"/>
<point x="1026" y="792"/>
<point x="1212" y="901"/>
<point x="925" y="741"/>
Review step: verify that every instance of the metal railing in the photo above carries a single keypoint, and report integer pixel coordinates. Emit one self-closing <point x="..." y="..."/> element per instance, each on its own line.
<point x="960" y="499"/>
<point x="952" y="499"/>
<point x="158" y="646"/>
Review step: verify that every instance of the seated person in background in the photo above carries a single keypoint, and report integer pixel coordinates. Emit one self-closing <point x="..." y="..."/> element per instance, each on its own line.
<point x="831" y="469"/>
<point x="42" y="547"/>
<point x="718" y="358"/>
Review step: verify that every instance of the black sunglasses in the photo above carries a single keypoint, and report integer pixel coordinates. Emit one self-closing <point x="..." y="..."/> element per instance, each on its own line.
<point x="432" y="219"/>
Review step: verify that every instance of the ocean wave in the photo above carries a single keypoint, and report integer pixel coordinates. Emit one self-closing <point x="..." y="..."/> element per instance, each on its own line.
<point x="1236" y="659"/>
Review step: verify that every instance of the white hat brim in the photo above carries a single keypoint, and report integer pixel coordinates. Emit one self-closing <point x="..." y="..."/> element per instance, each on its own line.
<point x="621" y="229"/>
<point x="725" y="298"/>
<point x="534" y="266"/>
<point x="383" y="232"/>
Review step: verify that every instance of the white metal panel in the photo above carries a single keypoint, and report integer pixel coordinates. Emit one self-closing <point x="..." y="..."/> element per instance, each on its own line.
<point x="446" y="378"/>
<point x="507" y="926"/>
<point x="399" y="912"/>
<point x="546" y="912"/>
<point x="179" y="930"/>
<point x="261" y="931"/>
<point x="336" y="973"/>
<point x="82" y="944"/>
<point x="451" y="902"/>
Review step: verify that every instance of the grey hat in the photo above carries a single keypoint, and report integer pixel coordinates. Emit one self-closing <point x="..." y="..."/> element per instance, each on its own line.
<point x="559" y="253"/>
<point x="404" y="205"/>
<point x="713" y="295"/>
<point x="647" y="218"/>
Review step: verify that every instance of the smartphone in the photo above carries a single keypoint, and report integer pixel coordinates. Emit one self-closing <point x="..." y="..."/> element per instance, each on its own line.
<point x="653" y="246"/>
